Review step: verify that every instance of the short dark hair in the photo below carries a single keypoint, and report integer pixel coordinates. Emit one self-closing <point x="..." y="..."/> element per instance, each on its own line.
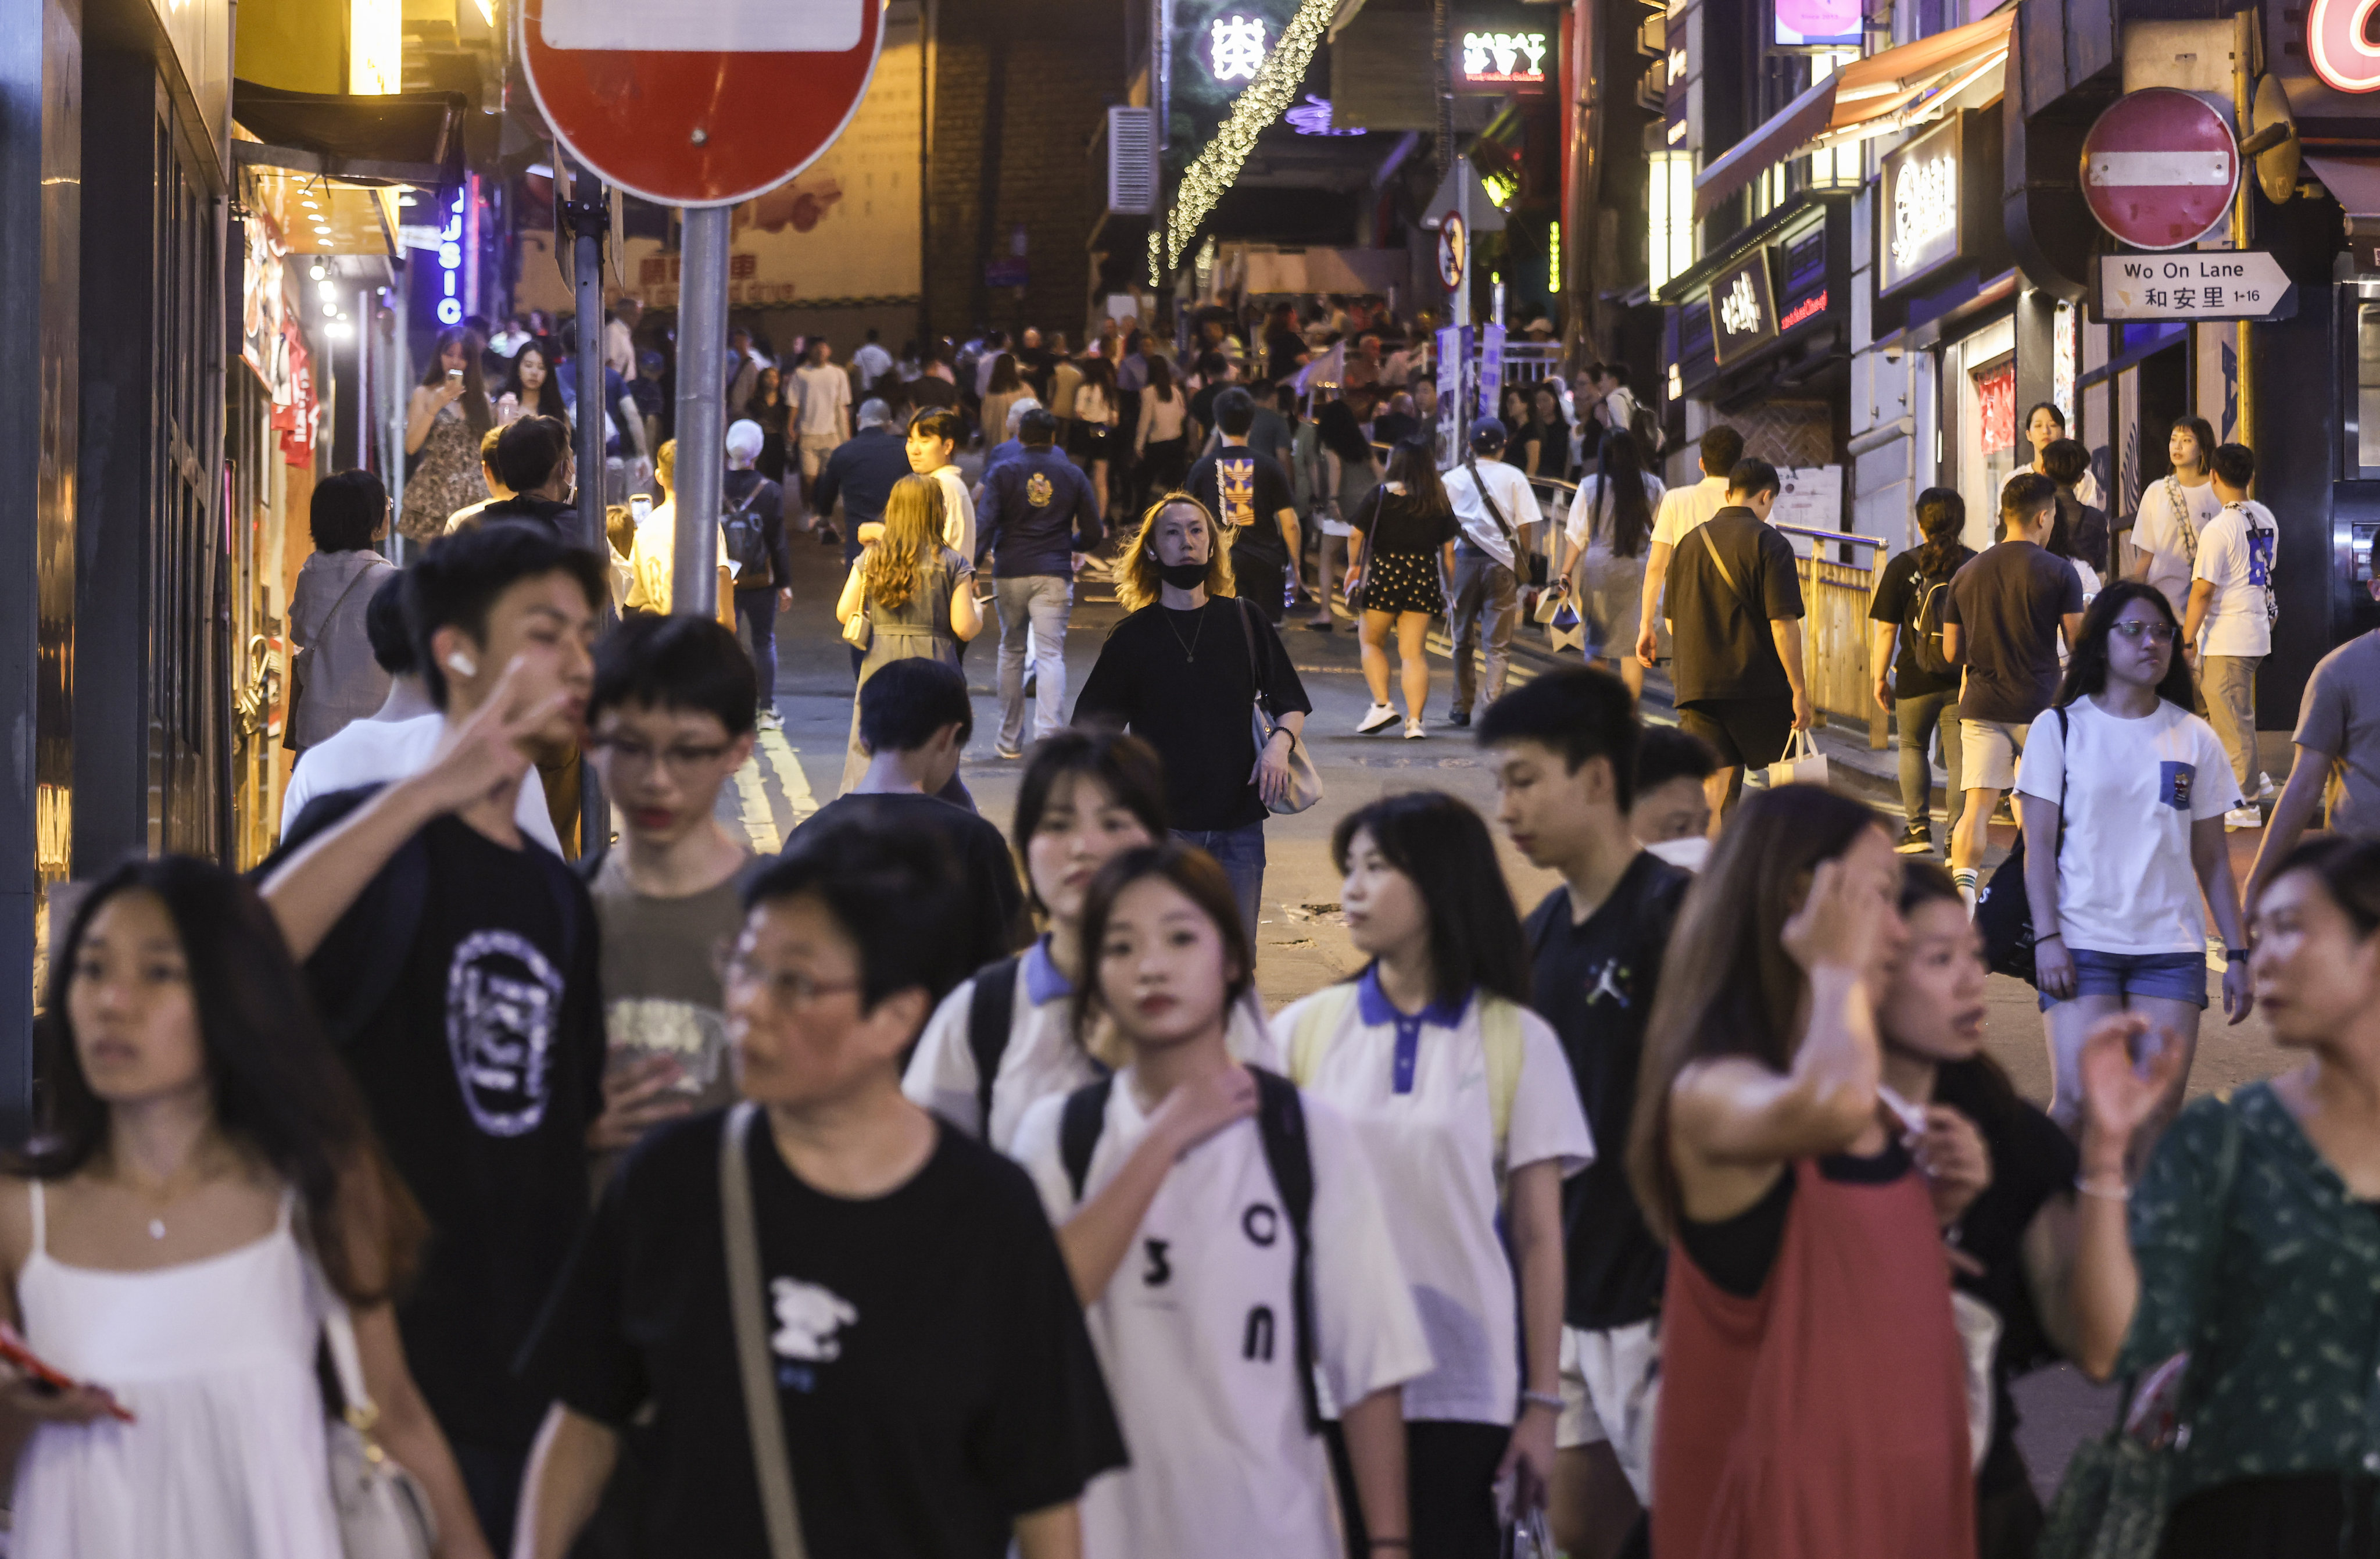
<point x="1752" y="476"/>
<point x="528" y="451"/>
<point x="384" y="627"/>
<point x="2064" y="460"/>
<point x="1212" y="363"/>
<point x="2201" y="433"/>
<point x="1722" y="448"/>
<point x="457" y="578"/>
<point x="1126" y="767"/>
<point x="2026" y="494"/>
<point x="905" y="702"/>
<point x="1579" y="711"/>
<point x="1440" y="843"/>
<point x="1671" y="752"/>
<point x="895" y="893"/>
<point x="345" y="509"/>
<point x="2348" y="869"/>
<point x="2036" y="408"/>
<point x="939" y="422"/>
<point x="1617" y="373"/>
<point x="2236" y="464"/>
<point x="689" y="663"/>
<point x="1235" y="412"/>
<point x="1037" y="429"/>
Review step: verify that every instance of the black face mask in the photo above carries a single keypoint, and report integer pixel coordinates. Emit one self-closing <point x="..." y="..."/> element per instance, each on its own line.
<point x="1182" y="575"/>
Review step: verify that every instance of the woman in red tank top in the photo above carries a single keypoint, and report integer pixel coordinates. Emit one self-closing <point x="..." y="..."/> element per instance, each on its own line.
<point x="1813" y="1391"/>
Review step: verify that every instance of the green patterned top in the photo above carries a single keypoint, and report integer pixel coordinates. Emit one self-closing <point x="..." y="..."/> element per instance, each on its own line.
<point x="2284" y="1342"/>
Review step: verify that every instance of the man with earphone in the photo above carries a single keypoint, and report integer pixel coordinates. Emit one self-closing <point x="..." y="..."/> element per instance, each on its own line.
<point x="454" y="961"/>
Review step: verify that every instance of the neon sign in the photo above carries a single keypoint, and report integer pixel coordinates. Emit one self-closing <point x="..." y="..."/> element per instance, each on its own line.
<point x="1236" y="47"/>
<point x="1808" y="309"/>
<point x="1509" y="58"/>
<point x="2336" y="47"/>
<point x="450" y="263"/>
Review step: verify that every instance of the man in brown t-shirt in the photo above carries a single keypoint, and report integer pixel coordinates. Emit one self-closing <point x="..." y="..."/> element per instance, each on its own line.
<point x="2002" y="621"/>
<point x="2338" y="752"/>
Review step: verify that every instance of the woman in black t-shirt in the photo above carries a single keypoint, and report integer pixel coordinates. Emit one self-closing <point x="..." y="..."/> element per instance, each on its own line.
<point x="935" y="1390"/>
<point x="1401" y="549"/>
<point x="1919" y="698"/>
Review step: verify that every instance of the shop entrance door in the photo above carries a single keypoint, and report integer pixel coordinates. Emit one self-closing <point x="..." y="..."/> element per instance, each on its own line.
<point x="1979" y="424"/>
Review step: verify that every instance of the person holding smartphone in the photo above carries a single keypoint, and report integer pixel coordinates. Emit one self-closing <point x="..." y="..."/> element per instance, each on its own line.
<point x="444" y="422"/>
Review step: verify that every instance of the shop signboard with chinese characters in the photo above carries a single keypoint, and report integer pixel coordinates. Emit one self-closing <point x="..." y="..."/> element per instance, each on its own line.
<point x="1744" y="307"/>
<point x="1920" y="227"/>
<point x="2199" y="285"/>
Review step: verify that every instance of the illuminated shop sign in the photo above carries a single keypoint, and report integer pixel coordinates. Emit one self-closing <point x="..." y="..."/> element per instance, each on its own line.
<point x="1744" y="307"/>
<point x="1500" y="59"/>
<point x="2337" y="48"/>
<point x="1234" y="47"/>
<point x="450" y="262"/>
<point x="1921" y="229"/>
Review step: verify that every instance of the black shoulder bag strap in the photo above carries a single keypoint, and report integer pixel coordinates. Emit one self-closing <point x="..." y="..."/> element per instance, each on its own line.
<point x="991" y="1012"/>
<point x="1086" y="1115"/>
<point x="1280" y="1127"/>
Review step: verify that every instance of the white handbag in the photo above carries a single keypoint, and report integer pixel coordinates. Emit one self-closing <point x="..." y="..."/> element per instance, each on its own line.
<point x="1803" y="762"/>
<point x="383" y="1512"/>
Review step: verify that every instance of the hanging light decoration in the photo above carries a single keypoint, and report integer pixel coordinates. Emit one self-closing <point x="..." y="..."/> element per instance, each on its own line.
<point x="1262" y="101"/>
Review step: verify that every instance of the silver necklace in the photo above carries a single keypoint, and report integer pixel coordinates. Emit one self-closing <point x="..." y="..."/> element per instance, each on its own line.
<point x="1190" y="650"/>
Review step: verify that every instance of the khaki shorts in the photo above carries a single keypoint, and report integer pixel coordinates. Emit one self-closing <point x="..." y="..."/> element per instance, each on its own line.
<point x="1612" y="1391"/>
<point x="1988" y="751"/>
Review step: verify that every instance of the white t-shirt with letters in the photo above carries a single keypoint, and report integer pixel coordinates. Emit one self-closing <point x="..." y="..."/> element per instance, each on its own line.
<point x="2235" y="555"/>
<point x="1195" y="1336"/>
<point x="1417" y="1092"/>
<point x="2132" y="790"/>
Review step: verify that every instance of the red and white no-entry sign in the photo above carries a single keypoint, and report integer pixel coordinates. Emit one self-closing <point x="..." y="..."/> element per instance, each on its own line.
<point x="2159" y="168"/>
<point x="699" y="103"/>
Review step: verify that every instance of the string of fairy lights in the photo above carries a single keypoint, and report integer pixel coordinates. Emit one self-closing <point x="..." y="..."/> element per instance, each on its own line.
<point x="1263" y="101"/>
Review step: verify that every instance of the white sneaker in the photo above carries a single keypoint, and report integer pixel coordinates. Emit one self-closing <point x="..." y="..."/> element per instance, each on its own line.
<point x="2266" y="788"/>
<point x="2243" y="817"/>
<point x="772" y="721"/>
<point x="1415" y="732"/>
<point x="1379" y="717"/>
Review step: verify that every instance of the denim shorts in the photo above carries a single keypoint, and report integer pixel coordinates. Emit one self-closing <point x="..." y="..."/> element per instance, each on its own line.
<point x="2177" y="977"/>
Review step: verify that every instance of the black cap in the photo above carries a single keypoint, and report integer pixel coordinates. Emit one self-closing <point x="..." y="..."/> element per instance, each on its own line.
<point x="1488" y="432"/>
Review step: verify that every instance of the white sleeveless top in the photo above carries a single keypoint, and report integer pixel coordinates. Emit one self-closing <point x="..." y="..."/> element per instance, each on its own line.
<point x="215" y="1358"/>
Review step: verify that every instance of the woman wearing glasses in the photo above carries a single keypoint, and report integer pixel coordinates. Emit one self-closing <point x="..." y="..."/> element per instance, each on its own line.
<point x="2145" y="785"/>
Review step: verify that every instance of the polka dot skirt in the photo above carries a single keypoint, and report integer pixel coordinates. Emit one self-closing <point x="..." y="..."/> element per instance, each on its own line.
<point x="1402" y="581"/>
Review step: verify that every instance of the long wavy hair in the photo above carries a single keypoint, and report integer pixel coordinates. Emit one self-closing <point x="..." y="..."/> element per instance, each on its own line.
<point x="1138" y="582"/>
<point x="913" y="534"/>
<point x="278" y="1089"/>
<point x="1739" y="992"/>
<point x="476" y="410"/>
<point x="2086" y="669"/>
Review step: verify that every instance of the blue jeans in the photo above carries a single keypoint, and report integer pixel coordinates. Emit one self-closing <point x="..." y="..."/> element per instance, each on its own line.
<point x="1038" y="605"/>
<point x="756" y="613"/>
<point x="1241" y="853"/>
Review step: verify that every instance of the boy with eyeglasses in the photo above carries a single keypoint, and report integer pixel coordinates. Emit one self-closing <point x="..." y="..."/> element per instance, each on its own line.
<point x="669" y="720"/>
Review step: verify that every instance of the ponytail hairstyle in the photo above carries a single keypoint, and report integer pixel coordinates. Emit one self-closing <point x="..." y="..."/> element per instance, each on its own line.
<point x="1942" y="519"/>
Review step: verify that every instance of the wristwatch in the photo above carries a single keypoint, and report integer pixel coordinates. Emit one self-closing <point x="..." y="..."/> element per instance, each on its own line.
<point x="2235" y="955"/>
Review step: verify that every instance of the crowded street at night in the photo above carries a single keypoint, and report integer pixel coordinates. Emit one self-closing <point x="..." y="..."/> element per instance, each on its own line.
<point x="1184" y="779"/>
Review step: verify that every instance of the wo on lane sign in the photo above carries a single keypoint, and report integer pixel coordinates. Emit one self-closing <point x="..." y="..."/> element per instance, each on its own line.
<point x="2202" y="285"/>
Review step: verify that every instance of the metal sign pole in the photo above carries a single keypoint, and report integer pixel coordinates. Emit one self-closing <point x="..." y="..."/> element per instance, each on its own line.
<point x="588" y="215"/>
<point x="702" y="407"/>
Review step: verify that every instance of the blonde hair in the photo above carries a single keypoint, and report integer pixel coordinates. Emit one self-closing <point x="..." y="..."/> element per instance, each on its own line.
<point x="1136" y="580"/>
<point x="665" y="466"/>
<point x="913" y="534"/>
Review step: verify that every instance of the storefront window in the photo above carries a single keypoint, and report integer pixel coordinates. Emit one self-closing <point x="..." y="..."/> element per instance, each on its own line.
<point x="2367" y="388"/>
<point x="1980" y="372"/>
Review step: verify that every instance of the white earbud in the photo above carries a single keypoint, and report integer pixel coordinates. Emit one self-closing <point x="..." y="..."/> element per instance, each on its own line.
<point x="461" y="665"/>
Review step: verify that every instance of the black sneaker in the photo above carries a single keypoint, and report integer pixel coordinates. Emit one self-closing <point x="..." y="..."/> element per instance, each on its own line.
<point x="1458" y="717"/>
<point x="1915" y="840"/>
<point x="828" y="536"/>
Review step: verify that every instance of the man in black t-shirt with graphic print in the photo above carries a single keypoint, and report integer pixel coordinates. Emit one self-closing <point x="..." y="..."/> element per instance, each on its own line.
<point x="1249" y="495"/>
<point x="1734" y="606"/>
<point x="1564" y="749"/>
<point x="455" y="962"/>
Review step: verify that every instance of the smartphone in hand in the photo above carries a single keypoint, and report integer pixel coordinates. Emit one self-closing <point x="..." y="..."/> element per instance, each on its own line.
<point x="16" y="1352"/>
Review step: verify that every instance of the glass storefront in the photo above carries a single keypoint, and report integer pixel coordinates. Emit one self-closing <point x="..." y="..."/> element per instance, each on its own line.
<point x="1980" y="415"/>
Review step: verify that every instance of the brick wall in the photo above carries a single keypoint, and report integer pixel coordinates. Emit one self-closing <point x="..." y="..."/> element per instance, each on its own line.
<point x="1022" y="138"/>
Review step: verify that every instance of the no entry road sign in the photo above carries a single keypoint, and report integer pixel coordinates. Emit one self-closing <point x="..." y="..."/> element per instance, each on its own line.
<point x="699" y="103"/>
<point x="2159" y="168"/>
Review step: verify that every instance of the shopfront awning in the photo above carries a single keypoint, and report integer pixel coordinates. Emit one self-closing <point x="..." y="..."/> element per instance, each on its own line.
<point x="2353" y="182"/>
<point x="403" y="138"/>
<point x="1885" y="93"/>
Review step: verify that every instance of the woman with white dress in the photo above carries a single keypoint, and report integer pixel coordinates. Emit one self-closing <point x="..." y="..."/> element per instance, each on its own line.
<point x="1468" y="1107"/>
<point x="200" y="1191"/>
<point x="1610" y="533"/>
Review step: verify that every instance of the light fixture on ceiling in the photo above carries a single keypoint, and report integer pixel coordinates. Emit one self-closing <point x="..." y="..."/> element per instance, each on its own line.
<point x="330" y="290"/>
<point x="318" y="273"/>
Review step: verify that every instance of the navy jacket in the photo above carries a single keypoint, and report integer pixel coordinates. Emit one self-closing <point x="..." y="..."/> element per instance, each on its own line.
<point x="861" y="472"/>
<point x="1036" y="512"/>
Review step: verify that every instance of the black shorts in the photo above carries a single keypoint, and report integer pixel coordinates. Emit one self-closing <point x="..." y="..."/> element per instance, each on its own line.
<point x="1746" y="733"/>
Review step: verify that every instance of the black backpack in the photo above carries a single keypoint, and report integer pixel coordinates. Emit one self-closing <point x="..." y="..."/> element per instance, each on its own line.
<point x="991" y="1009"/>
<point x="747" y="541"/>
<point x="1280" y="1127"/>
<point x="1922" y="629"/>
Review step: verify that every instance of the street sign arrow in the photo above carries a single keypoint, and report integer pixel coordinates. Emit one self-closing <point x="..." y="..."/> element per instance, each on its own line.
<point x="2202" y="285"/>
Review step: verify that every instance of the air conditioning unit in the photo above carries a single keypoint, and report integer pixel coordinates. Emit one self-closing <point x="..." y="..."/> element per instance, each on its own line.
<point x="1132" y="160"/>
